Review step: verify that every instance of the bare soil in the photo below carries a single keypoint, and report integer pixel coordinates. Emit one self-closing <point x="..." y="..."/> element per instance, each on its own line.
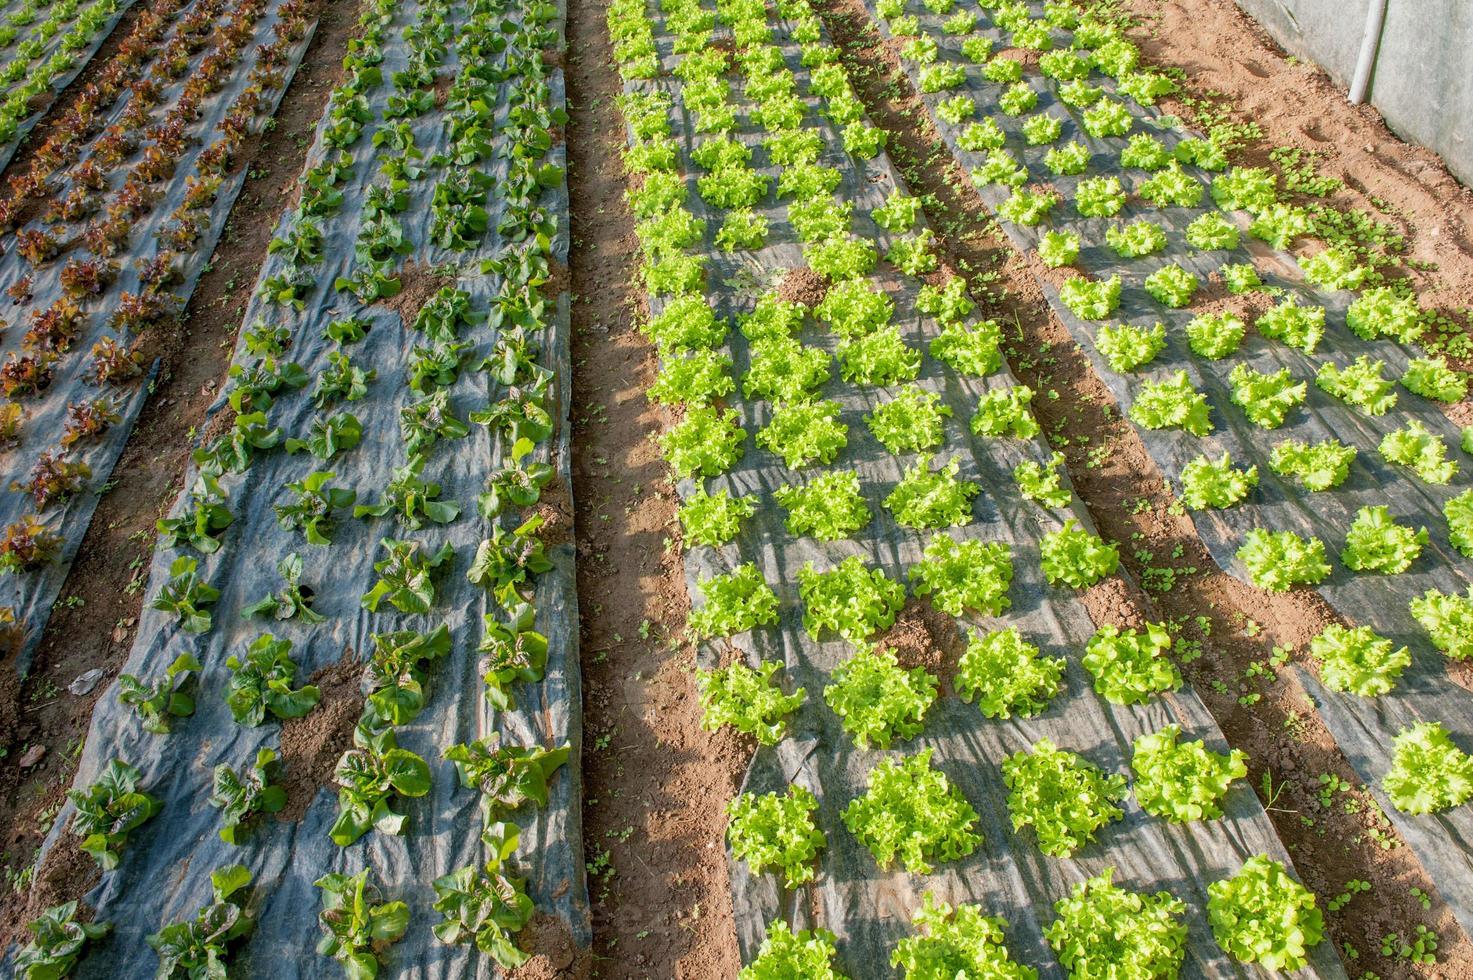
<point x="312" y="744"/>
<point x="93" y="627"/>
<point x="1236" y="625"/>
<point x="655" y="784"/>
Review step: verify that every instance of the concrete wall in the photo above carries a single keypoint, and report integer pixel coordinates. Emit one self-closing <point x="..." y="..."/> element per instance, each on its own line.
<point x="1423" y="82"/>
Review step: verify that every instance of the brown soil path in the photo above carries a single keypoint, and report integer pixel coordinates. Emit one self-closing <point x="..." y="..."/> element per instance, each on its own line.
<point x="655" y="784"/>
<point x="1332" y="840"/>
<point x="92" y="627"/>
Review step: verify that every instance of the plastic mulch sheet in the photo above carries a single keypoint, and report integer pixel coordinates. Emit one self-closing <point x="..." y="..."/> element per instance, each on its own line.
<point x="169" y="858"/>
<point x="32" y="594"/>
<point x="869" y="909"/>
<point x="1363" y="727"/>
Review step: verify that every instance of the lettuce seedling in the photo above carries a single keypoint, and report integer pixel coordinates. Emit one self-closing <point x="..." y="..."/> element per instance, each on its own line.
<point x="783" y="370"/>
<point x="1042" y="129"/>
<point x="971" y="350"/>
<point x="511" y="652"/>
<point x="1429" y="773"/>
<point x="1143" y="152"/>
<point x="1318" y="466"/>
<point x="1359" y="384"/>
<point x="185" y="596"/>
<point x="508" y="777"/>
<point x="201" y="946"/>
<point x="746" y="699"/>
<point x="1091" y="299"/>
<point x="959" y="939"/>
<point x="1182" y="781"/>
<point x="713" y="519"/>
<point x="785" y="954"/>
<point x="735" y="603"/>
<point x="242" y="796"/>
<point x="1459" y="514"/>
<point x="982" y="136"/>
<point x="1217" y="484"/>
<point x="1136" y="240"/>
<point x="1298" y="326"/>
<point x="1251" y="189"/>
<point x="262" y="681"/>
<point x="484" y="908"/>
<point x="1215" y="335"/>
<point x="1239" y="278"/>
<point x="1058" y="248"/>
<point x="880" y="357"/>
<point x="293" y="599"/>
<point x="1064" y="798"/>
<point x="926" y="498"/>
<point x="776" y="831"/>
<point x="1376" y="543"/>
<point x="109" y="810"/>
<point x="1212" y="232"/>
<point x="1128" y="347"/>
<point x="1043" y="483"/>
<point x="157" y="705"/>
<point x="1074" y="557"/>
<point x="312" y="509"/>
<point x="1172" y="187"/>
<point x="804" y="433"/>
<point x="1281" y="224"/>
<point x="1279" y="560"/>
<point x="1266" y="399"/>
<point x="967" y="575"/>
<point x="1130" y="666"/>
<point x="912" y="814"/>
<point x="394" y="680"/>
<point x="1107" y="118"/>
<point x="1028" y="208"/>
<point x="326" y="437"/>
<point x="1431" y="378"/>
<point x="1357" y="660"/>
<point x="849" y="599"/>
<point x="57" y="941"/>
<point x="1261" y="915"/>
<point x="1382" y="312"/>
<point x="911" y="421"/>
<point x="405" y="576"/>
<point x="1425" y="452"/>
<point x="706" y="441"/>
<point x="1172" y="286"/>
<point x="1006" y="675"/>
<point x="1448" y="620"/>
<point x="1172" y="404"/>
<point x="357" y="925"/>
<point x="1071" y="158"/>
<point x="829" y="507"/>
<point x="1337" y="267"/>
<point x="877" y="700"/>
<point x="368" y="776"/>
<point x="1108" y="931"/>
<point x="1099" y="197"/>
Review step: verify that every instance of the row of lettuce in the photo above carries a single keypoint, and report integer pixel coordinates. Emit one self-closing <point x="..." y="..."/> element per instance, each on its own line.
<point x="479" y="159"/>
<point x="911" y="816"/>
<point x="1353" y="660"/>
<point x="112" y="219"/>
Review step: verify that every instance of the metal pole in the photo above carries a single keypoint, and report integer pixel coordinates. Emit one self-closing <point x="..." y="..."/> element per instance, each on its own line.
<point x="1370" y="44"/>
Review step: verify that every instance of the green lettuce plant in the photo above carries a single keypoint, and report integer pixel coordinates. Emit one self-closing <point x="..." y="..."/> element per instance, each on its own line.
<point x="1318" y="466"/>
<point x="1357" y="660"/>
<point x="1064" y="798"/>
<point x="109" y="810"/>
<point x="957" y="941"/>
<point x="932" y="498"/>
<point x="912" y="814"/>
<point x="735" y="602"/>
<point x="1206" y="483"/>
<point x="1429" y="773"/>
<point x="1172" y="403"/>
<point x="877" y="700"/>
<point x="1006" y="675"/>
<point x="1127" y="347"/>
<point x="200" y="947"/>
<point x="805" y="433"/>
<point x="1421" y="450"/>
<point x="57" y="942"/>
<point x="1261" y="915"/>
<point x="964" y="575"/>
<point x="1043" y="483"/>
<point x="1074" y="557"/>
<point x="1103" y="930"/>
<point x="1130" y="666"/>
<point x="357" y="924"/>
<point x="713" y="519"/>
<point x="261" y="682"/>
<point x="1359" y="384"/>
<point x="746" y="699"/>
<point x="1279" y="560"/>
<point x="1215" y="335"/>
<point x="1376" y="543"/>
<point x="849" y="599"/>
<point x="829" y="507"/>
<point x="1183" y="781"/>
<point x="776" y="831"/>
<point x="785" y="954"/>
<point x="1267" y="399"/>
<point x="1448" y="620"/>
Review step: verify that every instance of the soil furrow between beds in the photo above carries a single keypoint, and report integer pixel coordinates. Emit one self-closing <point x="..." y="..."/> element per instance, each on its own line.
<point x="655" y="784"/>
<point x="91" y="628"/>
<point x="1269" y="717"/>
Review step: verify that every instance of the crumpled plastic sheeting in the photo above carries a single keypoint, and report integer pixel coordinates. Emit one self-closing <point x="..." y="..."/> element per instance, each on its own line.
<point x="60" y="82"/>
<point x="870" y="910"/>
<point x="169" y="858"/>
<point x="32" y="594"/>
<point x="1425" y="692"/>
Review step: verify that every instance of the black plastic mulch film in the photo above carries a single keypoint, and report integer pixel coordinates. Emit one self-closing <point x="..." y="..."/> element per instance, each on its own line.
<point x="868" y="909"/>
<point x="164" y="874"/>
<point x="1363" y="727"/>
